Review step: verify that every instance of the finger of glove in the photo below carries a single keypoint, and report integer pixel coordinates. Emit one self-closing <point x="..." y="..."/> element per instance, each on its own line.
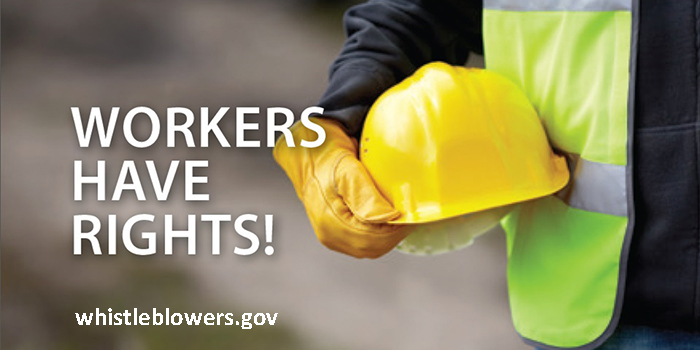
<point x="360" y="246"/>
<point x="359" y="192"/>
<point x="337" y="228"/>
<point x="374" y="252"/>
<point x="336" y="234"/>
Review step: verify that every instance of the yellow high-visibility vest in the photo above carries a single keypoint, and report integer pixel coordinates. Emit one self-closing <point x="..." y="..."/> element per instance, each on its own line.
<point x="568" y="253"/>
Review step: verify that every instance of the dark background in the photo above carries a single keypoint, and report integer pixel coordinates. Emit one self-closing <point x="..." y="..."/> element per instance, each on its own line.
<point x="59" y="54"/>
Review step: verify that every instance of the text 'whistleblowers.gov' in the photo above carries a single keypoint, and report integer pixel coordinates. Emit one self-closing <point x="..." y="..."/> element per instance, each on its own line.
<point x="156" y="318"/>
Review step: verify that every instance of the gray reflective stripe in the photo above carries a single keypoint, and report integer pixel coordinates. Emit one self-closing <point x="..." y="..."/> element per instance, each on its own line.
<point x="559" y="5"/>
<point x="597" y="187"/>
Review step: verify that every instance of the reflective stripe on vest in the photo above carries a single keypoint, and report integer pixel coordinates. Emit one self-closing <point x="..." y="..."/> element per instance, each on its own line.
<point x="597" y="187"/>
<point x="567" y="253"/>
<point x="558" y="5"/>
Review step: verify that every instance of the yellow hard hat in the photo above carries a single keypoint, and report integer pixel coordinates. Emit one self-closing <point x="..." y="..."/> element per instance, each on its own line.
<point x="450" y="141"/>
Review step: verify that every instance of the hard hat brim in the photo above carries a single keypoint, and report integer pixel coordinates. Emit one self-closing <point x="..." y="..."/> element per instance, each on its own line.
<point x="433" y="213"/>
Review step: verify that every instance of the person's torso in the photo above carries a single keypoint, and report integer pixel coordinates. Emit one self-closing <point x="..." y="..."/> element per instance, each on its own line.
<point x="616" y="86"/>
<point x="663" y="279"/>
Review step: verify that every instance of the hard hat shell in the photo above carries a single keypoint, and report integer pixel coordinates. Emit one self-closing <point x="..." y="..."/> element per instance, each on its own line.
<point x="449" y="141"/>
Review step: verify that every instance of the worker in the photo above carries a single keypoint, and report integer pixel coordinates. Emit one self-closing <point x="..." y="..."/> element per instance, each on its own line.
<point x="614" y="263"/>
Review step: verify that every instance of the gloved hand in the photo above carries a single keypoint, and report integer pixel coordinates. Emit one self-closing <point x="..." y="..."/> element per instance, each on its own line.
<point x="345" y="208"/>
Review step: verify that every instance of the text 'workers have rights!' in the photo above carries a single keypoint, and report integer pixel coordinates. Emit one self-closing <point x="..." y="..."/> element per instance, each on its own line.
<point x="87" y="227"/>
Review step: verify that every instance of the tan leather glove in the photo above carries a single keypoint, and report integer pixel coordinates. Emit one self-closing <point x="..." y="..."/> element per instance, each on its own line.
<point x="345" y="208"/>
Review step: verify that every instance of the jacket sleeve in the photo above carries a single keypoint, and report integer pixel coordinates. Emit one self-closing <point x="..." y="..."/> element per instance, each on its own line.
<point x="387" y="40"/>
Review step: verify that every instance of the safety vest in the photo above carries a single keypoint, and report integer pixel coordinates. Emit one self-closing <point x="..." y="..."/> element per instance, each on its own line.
<point x="567" y="254"/>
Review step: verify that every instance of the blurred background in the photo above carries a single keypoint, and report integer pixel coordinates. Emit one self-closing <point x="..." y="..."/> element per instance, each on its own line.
<point x="59" y="54"/>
